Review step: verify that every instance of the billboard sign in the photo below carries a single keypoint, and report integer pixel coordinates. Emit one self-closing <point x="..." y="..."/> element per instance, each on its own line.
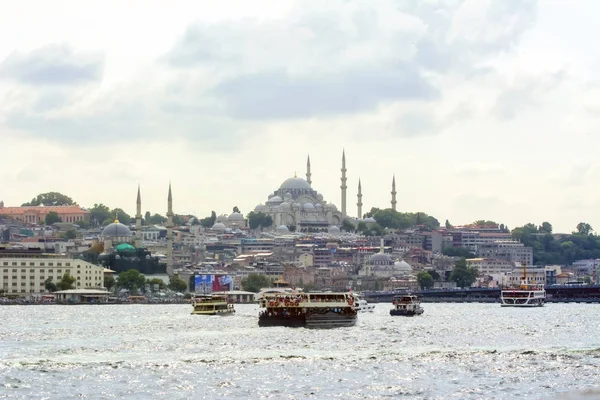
<point x="208" y="283"/>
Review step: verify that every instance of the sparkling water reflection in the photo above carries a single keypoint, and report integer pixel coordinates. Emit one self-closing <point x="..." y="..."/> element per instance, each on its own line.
<point x="453" y="351"/>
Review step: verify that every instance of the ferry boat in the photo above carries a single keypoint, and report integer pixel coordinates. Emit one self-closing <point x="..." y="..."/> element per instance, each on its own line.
<point x="212" y="305"/>
<point x="308" y="310"/>
<point x="407" y="305"/>
<point x="527" y="294"/>
<point x="279" y="286"/>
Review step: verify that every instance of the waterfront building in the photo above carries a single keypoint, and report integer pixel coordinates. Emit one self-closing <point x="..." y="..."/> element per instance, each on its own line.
<point x="508" y="250"/>
<point x="37" y="214"/>
<point x="24" y="271"/>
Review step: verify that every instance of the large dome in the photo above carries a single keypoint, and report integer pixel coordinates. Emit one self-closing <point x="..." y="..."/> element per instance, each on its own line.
<point x="219" y="226"/>
<point x="380" y="259"/>
<point x="402" y="266"/>
<point x="116" y="229"/>
<point x="236" y="216"/>
<point x="295" y="183"/>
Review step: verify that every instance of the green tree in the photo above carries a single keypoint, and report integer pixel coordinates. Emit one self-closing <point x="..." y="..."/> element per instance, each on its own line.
<point x="131" y="280"/>
<point x="147" y="216"/>
<point x="208" y="222"/>
<point x="463" y="275"/>
<point x="83" y="224"/>
<point x="70" y="234"/>
<point x="50" y="199"/>
<point x="259" y="220"/>
<point x="49" y="285"/>
<point x="255" y="282"/>
<point x="157" y="219"/>
<point x="156" y="281"/>
<point x="109" y="282"/>
<point x="448" y="225"/>
<point x="545" y="227"/>
<point x="583" y="228"/>
<point x="434" y="274"/>
<point x="483" y="222"/>
<point x="99" y="213"/>
<point x="52" y="218"/>
<point x="121" y="215"/>
<point x="67" y="282"/>
<point x="425" y="280"/>
<point x="178" y="220"/>
<point x="458" y="252"/>
<point x="347" y="226"/>
<point x="177" y="284"/>
<point x="236" y="209"/>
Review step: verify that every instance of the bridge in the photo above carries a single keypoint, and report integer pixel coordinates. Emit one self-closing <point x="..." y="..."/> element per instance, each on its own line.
<point x="555" y="294"/>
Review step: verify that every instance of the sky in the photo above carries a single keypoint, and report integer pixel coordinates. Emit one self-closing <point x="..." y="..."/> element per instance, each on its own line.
<point x="481" y="109"/>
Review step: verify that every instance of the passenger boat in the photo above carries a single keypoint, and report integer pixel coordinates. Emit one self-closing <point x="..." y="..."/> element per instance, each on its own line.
<point x="212" y="305"/>
<point x="527" y="294"/>
<point x="407" y="305"/>
<point x="308" y="310"/>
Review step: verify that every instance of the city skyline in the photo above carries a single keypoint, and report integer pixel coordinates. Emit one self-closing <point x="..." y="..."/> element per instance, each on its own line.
<point x="482" y="110"/>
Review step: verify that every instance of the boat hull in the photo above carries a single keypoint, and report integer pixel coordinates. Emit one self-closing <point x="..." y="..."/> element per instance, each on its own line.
<point x="219" y="312"/>
<point x="315" y="321"/>
<point x="406" y="313"/>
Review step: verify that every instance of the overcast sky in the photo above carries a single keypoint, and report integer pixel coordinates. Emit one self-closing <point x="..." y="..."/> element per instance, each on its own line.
<point x="482" y="109"/>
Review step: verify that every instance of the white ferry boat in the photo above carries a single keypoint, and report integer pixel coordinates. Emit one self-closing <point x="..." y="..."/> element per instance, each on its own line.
<point x="362" y="305"/>
<point x="407" y="305"/>
<point x="527" y="294"/>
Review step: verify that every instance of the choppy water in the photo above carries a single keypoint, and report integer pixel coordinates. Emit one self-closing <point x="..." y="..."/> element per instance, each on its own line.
<point x="453" y="351"/>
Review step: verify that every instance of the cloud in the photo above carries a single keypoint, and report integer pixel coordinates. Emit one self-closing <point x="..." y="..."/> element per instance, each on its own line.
<point x="281" y="95"/>
<point x="52" y="65"/>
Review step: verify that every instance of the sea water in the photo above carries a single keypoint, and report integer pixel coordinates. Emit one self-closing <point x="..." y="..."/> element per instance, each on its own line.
<point x="452" y="351"/>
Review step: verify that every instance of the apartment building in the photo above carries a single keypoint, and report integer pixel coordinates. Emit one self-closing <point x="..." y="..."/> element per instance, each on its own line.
<point x="490" y="266"/>
<point x="508" y="250"/>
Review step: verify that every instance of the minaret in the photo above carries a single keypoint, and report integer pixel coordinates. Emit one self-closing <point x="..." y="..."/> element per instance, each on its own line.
<point x="170" y="232"/>
<point x="394" y="193"/>
<point x="138" y="220"/>
<point x="308" y="174"/>
<point x="359" y="204"/>
<point x="343" y="187"/>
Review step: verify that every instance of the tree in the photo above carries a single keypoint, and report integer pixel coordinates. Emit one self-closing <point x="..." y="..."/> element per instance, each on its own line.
<point x="448" y="225"/>
<point x="147" y="217"/>
<point x="83" y="224"/>
<point x="70" y="234"/>
<point x="109" y="282"/>
<point x="425" y="280"/>
<point x="178" y="220"/>
<point x="156" y="219"/>
<point x="99" y="213"/>
<point x="121" y="215"/>
<point x="483" y="222"/>
<point x="463" y="275"/>
<point x="67" y="282"/>
<point x="347" y="226"/>
<point x="131" y="280"/>
<point x="50" y="199"/>
<point x="434" y="274"/>
<point x="157" y="281"/>
<point x="208" y="222"/>
<point x="177" y="284"/>
<point x="52" y="218"/>
<point x="584" y="228"/>
<point x="236" y="209"/>
<point x="49" y="285"/>
<point x="255" y="282"/>
<point x="259" y="220"/>
<point x="458" y="252"/>
<point x="545" y="227"/>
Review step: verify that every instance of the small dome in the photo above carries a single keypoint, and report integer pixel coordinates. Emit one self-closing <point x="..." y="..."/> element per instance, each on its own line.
<point x="236" y="216"/>
<point x="222" y="218"/>
<point x="318" y="206"/>
<point x="330" y="207"/>
<point x="285" y="206"/>
<point x="275" y="199"/>
<point x="295" y="183"/>
<point x="402" y="266"/>
<point x="334" y="230"/>
<point x="259" y="208"/>
<point x="380" y="259"/>
<point x="116" y="229"/>
<point x="320" y="197"/>
<point x="287" y="197"/>
<point x="125" y="248"/>
<point x="309" y="206"/>
<point x="219" y="226"/>
<point x="282" y="229"/>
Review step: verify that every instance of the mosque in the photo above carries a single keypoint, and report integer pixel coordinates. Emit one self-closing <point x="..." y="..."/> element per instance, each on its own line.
<point x="297" y="204"/>
<point x="123" y="250"/>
